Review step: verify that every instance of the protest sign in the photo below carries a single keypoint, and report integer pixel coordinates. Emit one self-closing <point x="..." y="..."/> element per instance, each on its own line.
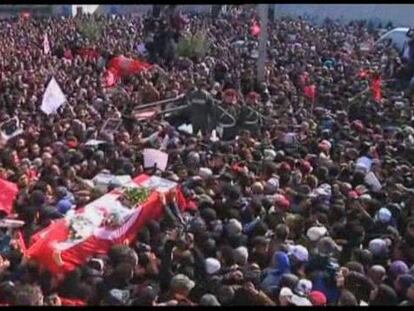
<point x="111" y="125"/>
<point x="156" y="157"/>
<point x="10" y="128"/>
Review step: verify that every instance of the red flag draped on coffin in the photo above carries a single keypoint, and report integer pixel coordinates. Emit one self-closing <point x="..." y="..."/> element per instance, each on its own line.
<point x="56" y="249"/>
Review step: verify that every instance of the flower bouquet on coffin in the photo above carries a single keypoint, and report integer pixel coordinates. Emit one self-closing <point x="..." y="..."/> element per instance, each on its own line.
<point x="133" y="196"/>
<point x="82" y="225"/>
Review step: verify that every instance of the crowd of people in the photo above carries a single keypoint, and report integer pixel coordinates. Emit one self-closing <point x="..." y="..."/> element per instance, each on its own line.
<point x="304" y="199"/>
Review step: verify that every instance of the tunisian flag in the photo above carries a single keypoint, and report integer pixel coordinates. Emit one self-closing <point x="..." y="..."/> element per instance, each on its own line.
<point x="121" y="66"/>
<point x="8" y="193"/>
<point x="310" y="93"/>
<point x="255" y="29"/>
<point x="376" y="88"/>
<point x="127" y="66"/>
<point x="53" y="249"/>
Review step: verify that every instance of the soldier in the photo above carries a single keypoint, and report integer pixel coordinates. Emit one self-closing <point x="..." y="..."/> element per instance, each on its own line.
<point x="249" y="118"/>
<point x="201" y="109"/>
<point x="226" y="116"/>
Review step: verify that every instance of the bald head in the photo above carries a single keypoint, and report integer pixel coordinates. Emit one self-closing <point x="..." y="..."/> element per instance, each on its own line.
<point x="377" y="274"/>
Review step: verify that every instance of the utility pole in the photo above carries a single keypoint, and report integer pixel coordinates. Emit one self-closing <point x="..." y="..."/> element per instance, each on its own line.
<point x="261" y="61"/>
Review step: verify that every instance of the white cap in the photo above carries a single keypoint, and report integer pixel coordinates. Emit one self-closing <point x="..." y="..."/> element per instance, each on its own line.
<point x="285" y="292"/>
<point x="316" y="233"/>
<point x="212" y="265"/>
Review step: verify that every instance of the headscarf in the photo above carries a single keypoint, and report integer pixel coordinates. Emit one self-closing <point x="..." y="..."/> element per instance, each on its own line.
<point x="274" y="275"/>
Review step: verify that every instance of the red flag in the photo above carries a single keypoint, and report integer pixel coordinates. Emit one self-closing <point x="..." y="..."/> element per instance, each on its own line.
<point x="127" y="66"/>
<point x="8" y="193"/>
<point x="376" y="89"/>
<point x="111" y="77"/>
<point x="52" y="248"/>
<point x="20" y="242"/>
<point x="310" y="92"/>
<point x="255" y="29"/>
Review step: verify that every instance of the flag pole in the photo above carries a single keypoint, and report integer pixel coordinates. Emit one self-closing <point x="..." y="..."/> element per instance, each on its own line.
<point x="261" y="61"/>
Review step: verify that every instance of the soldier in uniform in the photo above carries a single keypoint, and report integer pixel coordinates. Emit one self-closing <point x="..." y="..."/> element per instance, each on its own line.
<point x="201" y="109"/>
<point x="249" y="118"/>
<point x="226" y="116"/>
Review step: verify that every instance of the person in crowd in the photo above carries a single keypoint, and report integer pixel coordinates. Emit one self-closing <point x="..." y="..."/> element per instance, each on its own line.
<point x="304" y="197"/>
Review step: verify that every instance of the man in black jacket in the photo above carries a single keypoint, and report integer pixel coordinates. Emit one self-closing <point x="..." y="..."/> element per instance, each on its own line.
<point x="200" y="109"/>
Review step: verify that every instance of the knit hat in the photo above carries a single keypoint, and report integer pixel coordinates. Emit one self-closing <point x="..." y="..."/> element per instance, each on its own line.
<point x="299" y="252"/>
<point x="212" y="265"/>
<point x="377" y="247"/>
<point x="181" y="281"/>
<point x="316" y="233"/>
<point x="317" y="298"/>
<point x="304" y="287"/>
<point x="269" y="154"/>
<point x="325" y="145"/>
<point x="282" y="202"/>
<point x="64" y="205"/>
<point x="384" y="215"/>
<point x="271" y="186"/>
<point x="398" y="267"/>
<point x="241" y="255"/>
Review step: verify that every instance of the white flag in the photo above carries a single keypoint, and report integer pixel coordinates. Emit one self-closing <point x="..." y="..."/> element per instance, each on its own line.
<point x="46" y="45"/>
<point x="53" y="98"/>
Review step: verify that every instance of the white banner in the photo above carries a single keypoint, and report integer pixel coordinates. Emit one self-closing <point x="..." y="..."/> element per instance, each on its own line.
<point x="53" y="98"/>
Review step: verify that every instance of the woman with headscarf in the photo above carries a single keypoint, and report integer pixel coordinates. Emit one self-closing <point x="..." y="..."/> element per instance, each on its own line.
<point x="272" y="276"/>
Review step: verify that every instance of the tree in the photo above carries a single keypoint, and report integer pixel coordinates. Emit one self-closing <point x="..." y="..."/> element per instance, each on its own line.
<point x="192" y="46"/>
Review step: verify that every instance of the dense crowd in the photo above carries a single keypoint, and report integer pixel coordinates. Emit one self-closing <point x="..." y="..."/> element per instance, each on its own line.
<point x="308" y="205"/>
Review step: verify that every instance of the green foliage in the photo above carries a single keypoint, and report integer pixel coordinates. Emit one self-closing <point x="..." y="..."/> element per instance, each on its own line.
<point x="196" y="45"/>
<point x="90" y="30"/>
